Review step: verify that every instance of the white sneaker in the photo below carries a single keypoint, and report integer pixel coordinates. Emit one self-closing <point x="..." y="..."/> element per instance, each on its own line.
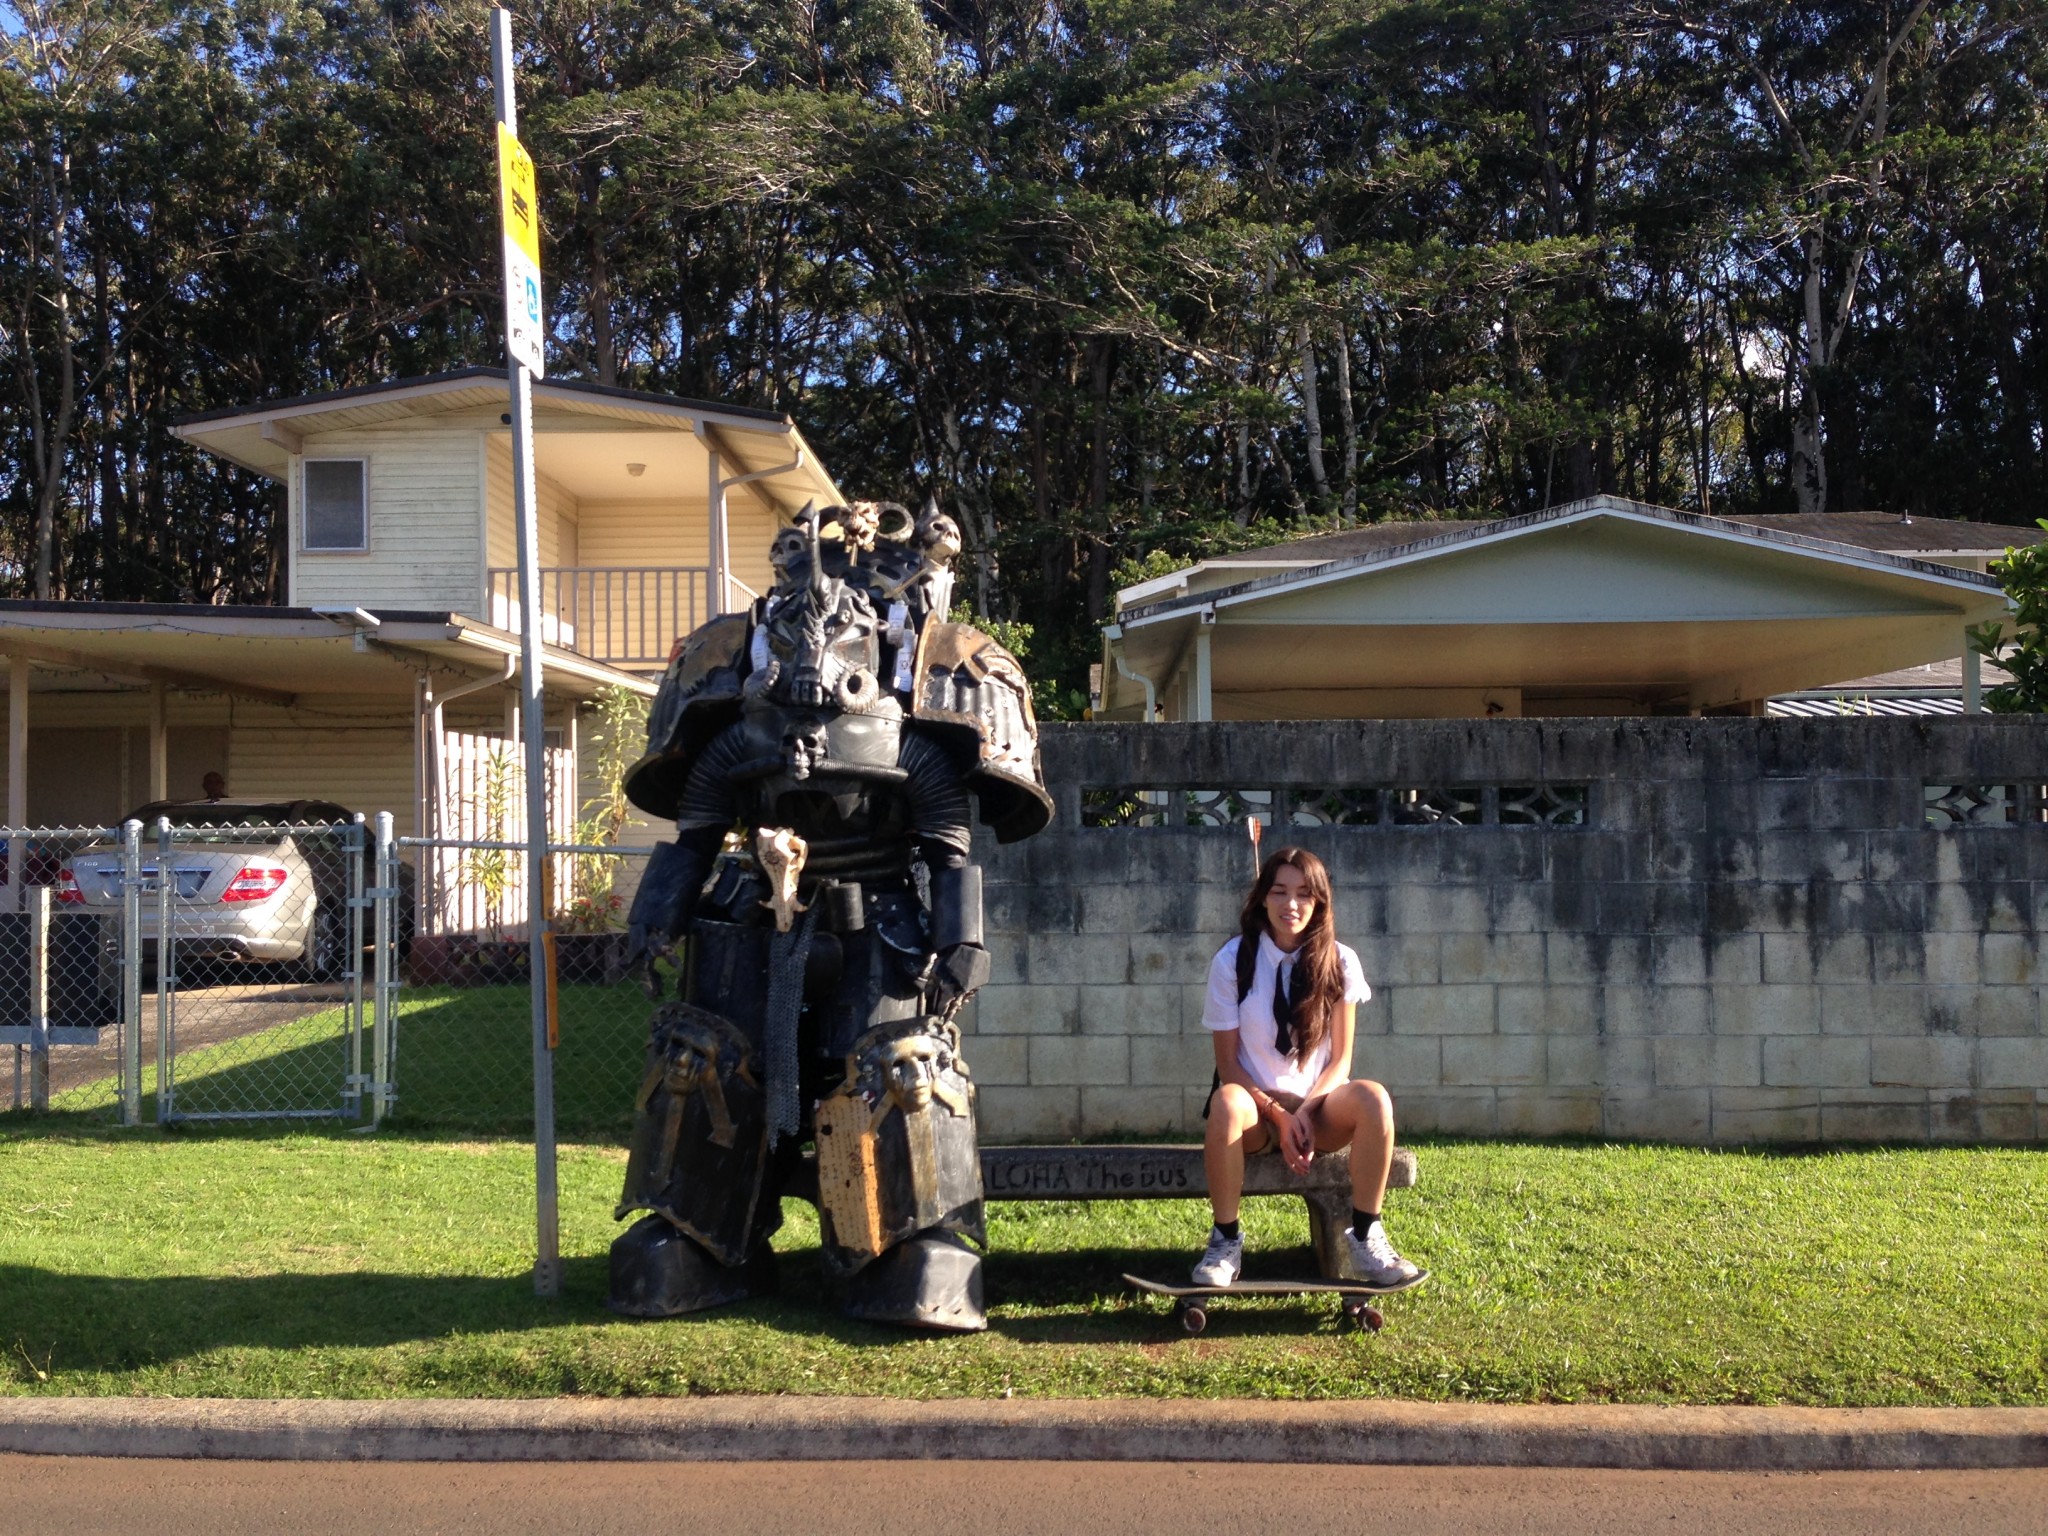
<point x="1374" y="1259"/>
<point x="1222" y="1261"/>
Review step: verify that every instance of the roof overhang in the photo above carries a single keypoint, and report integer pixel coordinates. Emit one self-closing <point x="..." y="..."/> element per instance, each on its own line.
<point x="278" y="655"/>
<point x="585" y="435"/>
<point x="1598" y="595"/>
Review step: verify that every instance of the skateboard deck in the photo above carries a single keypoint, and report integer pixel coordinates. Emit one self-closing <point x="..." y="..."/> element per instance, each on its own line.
<point x="1191" y="1309"/>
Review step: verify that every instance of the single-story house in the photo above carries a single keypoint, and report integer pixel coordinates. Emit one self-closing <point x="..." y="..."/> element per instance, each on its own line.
<point x="1601" y="607"/>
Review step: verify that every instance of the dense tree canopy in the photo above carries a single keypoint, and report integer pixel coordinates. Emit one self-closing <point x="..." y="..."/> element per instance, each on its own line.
<point x="1116" y="281"/>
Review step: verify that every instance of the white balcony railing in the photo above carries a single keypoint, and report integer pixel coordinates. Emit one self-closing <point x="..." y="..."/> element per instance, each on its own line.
<point x="625" y="616"/>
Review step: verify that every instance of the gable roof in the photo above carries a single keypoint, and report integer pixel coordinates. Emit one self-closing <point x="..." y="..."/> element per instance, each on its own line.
<point x="1316" y="561"/>
<point x="1600" y="595"/>
<point x="1876" y="531"/>
<point x="457" y="379"/>
<point x="264" y="437"/>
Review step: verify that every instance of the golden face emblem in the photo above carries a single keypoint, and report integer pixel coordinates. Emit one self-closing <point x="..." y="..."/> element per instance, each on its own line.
<point x="912" y="1063"/>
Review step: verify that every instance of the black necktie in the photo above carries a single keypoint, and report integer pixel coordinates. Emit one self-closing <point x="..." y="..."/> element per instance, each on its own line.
<point x="1283" y="1008"/>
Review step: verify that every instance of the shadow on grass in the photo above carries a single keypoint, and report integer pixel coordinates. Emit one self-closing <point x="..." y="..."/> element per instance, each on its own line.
<point x="118" y="1323"/>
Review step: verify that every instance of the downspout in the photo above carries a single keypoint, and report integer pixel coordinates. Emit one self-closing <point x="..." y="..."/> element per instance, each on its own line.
<point x="1114" y="634"/>
<point x="438" y="701"/>
<point x="721" y="543"/>
<point x="430" y="868"/>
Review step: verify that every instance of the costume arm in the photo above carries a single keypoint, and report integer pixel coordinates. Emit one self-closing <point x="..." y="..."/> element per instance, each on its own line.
<point x="674" y="877"/>
<point x="939" y="812"/>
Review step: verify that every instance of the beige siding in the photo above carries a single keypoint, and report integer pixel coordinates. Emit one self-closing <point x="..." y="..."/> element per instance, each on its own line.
<point x="568" y="545"/>
<point x="89" y="753"/>
<point x="366" y="767"/>
<point x="558" y="516"/>
<point x="423" y="523"/>
<point x="558" y="512"/>
<point x="670" y="533"/>
<point x="502" y="546"/>
<point x="750" y="529"/>
<point x="636" y="533"/>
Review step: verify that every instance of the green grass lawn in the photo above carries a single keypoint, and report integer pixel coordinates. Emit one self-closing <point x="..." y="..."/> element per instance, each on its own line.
<point x="464" y="1062"/>
<point x="465" y="1058"/>
<point x="275" y="1264"/>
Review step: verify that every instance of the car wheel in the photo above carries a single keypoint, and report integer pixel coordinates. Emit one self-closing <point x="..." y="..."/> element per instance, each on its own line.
<point x="326" y="944"/>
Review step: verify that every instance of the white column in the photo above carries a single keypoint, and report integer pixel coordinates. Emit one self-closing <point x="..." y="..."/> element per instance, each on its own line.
<point x="159" y="745"/>
<point x="721" y="599"/>
<point x="1204" y="701"/>
<point x="17" y="774"/>
<point x="1973" y="679"/>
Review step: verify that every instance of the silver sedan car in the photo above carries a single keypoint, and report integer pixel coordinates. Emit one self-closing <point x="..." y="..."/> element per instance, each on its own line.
<point x="254" y="880"/>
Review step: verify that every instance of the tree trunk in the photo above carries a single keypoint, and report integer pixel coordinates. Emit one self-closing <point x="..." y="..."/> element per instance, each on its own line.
<point x="1099" y="532"/>
<point x="1312" y="421"/>
<point x="50" y="438"/>
<point x="1347" y="426"/>
<point x="604" y="353"/>
<point x="1808" y="467"/>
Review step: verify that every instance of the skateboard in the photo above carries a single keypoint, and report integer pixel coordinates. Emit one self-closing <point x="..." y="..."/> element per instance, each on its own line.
<point x="1191" y="1309"/>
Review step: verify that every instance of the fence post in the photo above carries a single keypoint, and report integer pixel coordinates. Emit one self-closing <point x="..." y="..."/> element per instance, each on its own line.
<point x="39" y="997"/>
<point x="382" y="1015"/>
<point x="166" y="959"/>
<point x="131" y="973"/>
<point x="355" y="843"/>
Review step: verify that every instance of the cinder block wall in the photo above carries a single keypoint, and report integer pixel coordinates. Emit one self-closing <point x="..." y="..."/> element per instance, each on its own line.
<point x="1757" y="935"/>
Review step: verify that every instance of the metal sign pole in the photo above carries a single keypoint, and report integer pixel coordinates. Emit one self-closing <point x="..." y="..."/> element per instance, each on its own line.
<point x="521" y="221"/>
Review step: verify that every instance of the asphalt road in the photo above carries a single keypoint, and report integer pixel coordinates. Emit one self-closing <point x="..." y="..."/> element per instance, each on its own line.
<point x="219" y="1498"/>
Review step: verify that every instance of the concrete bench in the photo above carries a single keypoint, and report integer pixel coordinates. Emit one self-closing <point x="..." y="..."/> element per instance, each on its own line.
<point x="1166" y="1171"/>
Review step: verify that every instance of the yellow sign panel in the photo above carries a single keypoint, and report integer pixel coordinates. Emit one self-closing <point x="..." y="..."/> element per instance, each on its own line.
<point x="518" y="211"/>
<point x="525" y="325"/>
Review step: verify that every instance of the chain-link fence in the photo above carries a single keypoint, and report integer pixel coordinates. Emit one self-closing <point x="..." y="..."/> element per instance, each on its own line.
<point x="465" y="1012"/>
<point x="189" y="971"/>
<point x="62" y="1017"/>
<point x="201" y="968"/>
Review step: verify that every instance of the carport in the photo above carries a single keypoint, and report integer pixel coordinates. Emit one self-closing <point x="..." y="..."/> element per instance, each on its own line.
<point x="110" y="705"/>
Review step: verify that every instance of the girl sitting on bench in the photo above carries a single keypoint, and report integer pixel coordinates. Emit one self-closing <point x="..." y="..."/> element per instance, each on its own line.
<point x="1281" y="1004"/>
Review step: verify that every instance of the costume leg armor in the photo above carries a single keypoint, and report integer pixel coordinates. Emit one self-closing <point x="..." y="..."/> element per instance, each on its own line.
<point x="699" y="1162"/>
<point x="899" y="1179"/>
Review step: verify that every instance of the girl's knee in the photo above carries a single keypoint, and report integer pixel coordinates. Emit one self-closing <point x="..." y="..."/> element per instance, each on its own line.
<point x="1374" y="1106"/>
<point x="1233" y="1107"/>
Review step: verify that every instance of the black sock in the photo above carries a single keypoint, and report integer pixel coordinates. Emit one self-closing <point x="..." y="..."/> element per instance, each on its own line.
<point x="1228" y="1229"/>
<point x="1361" y="1221"/>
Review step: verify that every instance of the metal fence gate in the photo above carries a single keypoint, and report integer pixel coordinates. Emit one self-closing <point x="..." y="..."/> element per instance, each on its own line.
<point x="175" y="974"/>
<point x="193" y="972"/>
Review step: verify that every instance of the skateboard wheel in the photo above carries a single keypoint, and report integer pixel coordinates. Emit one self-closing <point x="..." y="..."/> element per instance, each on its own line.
<point x="1194" y="1319"/>
<point x="1371" y="1319"/>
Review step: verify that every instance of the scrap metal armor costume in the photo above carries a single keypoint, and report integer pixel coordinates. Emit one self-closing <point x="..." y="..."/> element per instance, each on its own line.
<point x="820" y="754"/>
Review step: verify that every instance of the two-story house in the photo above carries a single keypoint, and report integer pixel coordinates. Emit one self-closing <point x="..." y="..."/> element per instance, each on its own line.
<point x="395" y="651"/>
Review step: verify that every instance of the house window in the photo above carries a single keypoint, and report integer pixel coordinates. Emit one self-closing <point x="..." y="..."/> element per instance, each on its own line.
<point x="337" y="504"/>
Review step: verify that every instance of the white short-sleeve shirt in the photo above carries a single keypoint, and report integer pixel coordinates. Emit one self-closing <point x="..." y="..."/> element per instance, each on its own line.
<point x="1257" y="1047"/>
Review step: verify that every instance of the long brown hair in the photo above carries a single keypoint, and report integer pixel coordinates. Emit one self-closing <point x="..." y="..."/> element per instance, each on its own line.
<point x="1316" y="960"/>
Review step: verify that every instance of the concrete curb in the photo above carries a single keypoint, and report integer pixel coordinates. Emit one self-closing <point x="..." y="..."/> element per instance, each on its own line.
<point x="873" y="1429"/>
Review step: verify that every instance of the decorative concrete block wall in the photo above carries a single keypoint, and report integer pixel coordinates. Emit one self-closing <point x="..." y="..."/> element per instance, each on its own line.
<point x="1722" y="930"/>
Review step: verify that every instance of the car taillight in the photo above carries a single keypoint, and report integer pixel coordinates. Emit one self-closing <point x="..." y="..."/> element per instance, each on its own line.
<point x="67" y="887"/>
<point x="255" y="882"/>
